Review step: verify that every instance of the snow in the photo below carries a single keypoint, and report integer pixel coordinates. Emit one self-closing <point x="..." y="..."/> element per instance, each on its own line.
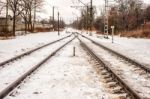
<point x="66" y="76"/>
<point x="135" y="48"/>
<point x="14" y="70"/>
<point x="138" y="80"/>
<point x="20" y="44"/>
<point x="63" y="77"/>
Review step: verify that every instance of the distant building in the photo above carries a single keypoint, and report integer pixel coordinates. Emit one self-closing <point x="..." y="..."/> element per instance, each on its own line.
<point x="9" y="25"/>
<point x="20" y="25"/>
<point x="4" y="26"/>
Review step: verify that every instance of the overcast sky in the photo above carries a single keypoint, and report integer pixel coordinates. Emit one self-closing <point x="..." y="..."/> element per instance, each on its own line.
<point x="66" y="12"/>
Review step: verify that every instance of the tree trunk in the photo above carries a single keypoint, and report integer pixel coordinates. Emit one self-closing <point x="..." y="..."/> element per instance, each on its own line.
<point x="30" y="20"/>
<point x="14" y="24"/>
<point x="25" y="26"/>
<point x="28" y="26"/>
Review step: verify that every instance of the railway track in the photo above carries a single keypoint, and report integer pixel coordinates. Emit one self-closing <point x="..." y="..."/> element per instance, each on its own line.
<point x="61" y="77"/>
<point x="110" y="75"/>
<point x="134" y="62"/>
<point x="30" y="51"/>
<point x="135" y="77"/>
<point x="16" y="82"/>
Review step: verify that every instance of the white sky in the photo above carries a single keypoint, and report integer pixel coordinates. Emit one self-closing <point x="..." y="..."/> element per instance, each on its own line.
<point x="66" y="12"/>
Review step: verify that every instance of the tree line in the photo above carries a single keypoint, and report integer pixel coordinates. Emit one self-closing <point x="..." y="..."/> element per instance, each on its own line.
<point x="26" y="9"/>
<point x="126" y="15"/>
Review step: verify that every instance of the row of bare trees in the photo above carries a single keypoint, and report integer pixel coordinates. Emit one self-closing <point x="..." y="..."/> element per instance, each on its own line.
<point x="126" y="15"/>
<point x="26" y="9"/>
<point x="129" y="15"/>
<point x="84" y="22"/>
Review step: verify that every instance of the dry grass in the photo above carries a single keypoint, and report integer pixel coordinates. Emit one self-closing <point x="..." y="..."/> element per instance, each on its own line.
<point x="42" y="30"/>
<point x="5" y="36"/>
<point x="141" y="33"/>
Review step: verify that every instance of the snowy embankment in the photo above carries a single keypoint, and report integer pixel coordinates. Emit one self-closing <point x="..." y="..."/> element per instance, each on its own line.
<point x="135" y="48"/>
<point x="63" y="77"/>
<point x="20" y="44"/>
<point x="137" y="80"/>
<point x="12" y="71"/>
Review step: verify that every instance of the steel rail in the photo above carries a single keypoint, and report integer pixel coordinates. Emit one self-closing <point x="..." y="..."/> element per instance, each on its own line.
<point x="13" y="85"/>
<point x="31" y="51"/>
<point x="132" y="61"/>
<point x="121" y="82"/>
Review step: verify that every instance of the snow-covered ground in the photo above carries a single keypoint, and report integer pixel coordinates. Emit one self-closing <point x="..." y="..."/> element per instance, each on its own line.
<point x="13" y="71"/>
<point x="66" y="76"/>
<point x="138" y="80"/>
<point x="135" y="48"/>
<point x="20" y="44"/>
<point x="63" y="77"/>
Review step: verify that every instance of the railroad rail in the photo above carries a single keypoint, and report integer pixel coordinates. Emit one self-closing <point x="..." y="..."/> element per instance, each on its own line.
<point x="13" y="85"/>
<point x="115" y="77"/>
<point x="132" y="61"/>
<point x="31" y="51"/>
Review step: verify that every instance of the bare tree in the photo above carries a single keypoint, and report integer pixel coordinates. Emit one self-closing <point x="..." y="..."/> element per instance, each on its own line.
<point x="84" y="21"/>
<point x="25" y="8"/>
<point x="2" y="6"/>
<point x="24" y="13"/>
<point x="31" y="7"/>
<point x="147" y="13"/>
<point x="14" y="6"/>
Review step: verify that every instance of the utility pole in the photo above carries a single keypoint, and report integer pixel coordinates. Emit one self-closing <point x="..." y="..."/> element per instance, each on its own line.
<point x="106" y="17"/>
<point x="58" y="24"/>
<point x="87" y="15"/>
<point x="34" y="15"/>
<point x="6" y="24"/>
<point x="77" y="25"/>
<point x="91" y="17"/>
<point x="50" y="20"/>
<point x="53" y="18"/>
<point x="112" y="27"/>
<point x="106" y="24"/>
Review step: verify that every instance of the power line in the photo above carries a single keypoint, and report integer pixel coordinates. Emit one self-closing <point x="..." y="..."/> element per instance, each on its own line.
<point x="91" y="17"/>
<point x="58" y="24"/>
